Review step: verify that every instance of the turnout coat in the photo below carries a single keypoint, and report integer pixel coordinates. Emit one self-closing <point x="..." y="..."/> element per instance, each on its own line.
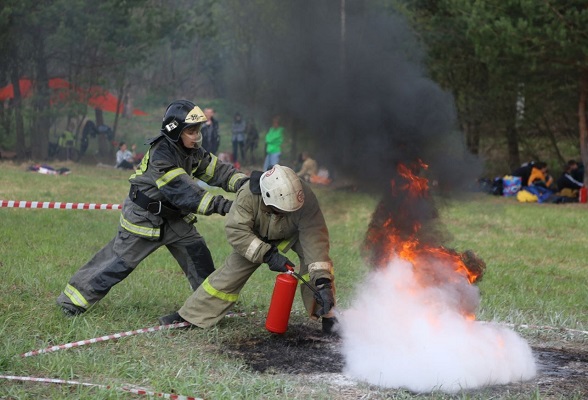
<point x="166" y="174"/>
<point x="160" y="210"/>
<point x="252" y="228"/>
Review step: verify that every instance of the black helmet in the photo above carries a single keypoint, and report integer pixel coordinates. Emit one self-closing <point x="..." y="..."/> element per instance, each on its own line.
<point x="180" y="115"/>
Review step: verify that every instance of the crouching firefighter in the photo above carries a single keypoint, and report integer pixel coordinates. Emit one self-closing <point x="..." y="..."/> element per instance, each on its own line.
<point x="275" y="211"/>
<point x="160" y="210"/>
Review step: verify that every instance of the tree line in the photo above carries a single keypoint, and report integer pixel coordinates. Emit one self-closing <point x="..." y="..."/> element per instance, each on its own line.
<point x="125" y="46"/>
<point x="517" y="69"/>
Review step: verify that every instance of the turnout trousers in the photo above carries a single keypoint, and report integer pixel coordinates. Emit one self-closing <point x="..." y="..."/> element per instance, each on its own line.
<point x="115" y="261"/>
<point x="220" y="290"/>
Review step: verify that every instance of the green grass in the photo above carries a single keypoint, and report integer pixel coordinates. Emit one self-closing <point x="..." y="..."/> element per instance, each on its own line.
<point x="537" y="274"/>
<point x="536" y="255"/>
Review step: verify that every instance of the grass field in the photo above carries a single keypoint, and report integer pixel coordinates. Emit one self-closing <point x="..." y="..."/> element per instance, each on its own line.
<point x="537" y="274"/>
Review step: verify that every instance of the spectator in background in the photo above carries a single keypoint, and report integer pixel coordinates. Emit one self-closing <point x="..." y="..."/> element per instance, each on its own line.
<point x="125" y="159"/>
<point x="66" y="142"/>
<point x="578" y="173"/>
<point x="67" y="138"/>
<point x="309" y="167"/>
<point x="524" y="172"/>
<point x="251" y="140"/>
<point x="539" y="186"/>
<point x="210" y="132"/>
<point x="273" y="144"/>
<point x="539" y="176"/>
<point x="567" y="184"/>
<point x="238" y="136"/>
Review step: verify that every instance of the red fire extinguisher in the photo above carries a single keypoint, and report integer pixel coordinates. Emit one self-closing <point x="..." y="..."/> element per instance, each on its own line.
<point x="282" y="299"/>
<point x="281" y="304"/>
<point x="583" y="195"/>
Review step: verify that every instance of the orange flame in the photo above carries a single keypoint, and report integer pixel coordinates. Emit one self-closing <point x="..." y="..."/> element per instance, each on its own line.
<point x="406" y="245"/>
<point x="415" y="185"/>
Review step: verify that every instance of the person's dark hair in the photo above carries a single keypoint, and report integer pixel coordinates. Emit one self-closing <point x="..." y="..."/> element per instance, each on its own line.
<point x="571" y="163"/>
<point x="121" y="144"/>
<point x="540" y="165"/>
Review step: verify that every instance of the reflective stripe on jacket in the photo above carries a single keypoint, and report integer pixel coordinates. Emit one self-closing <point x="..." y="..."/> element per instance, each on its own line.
<point x="167" y="174"/>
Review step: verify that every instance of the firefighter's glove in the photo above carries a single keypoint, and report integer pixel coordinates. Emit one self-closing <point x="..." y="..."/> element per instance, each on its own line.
<point x="276" y="261"/>
<point x="325" y="296"/>
<point x="220" y="205"/>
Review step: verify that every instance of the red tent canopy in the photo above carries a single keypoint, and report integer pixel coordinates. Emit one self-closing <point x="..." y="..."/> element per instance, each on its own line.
<point x="7" y="92"/>
<point x="104" y="100"/>
<point x="62" y="90"/>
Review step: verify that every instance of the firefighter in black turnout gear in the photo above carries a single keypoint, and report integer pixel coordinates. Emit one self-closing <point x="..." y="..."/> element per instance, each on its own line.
<point x="160" y="210"/>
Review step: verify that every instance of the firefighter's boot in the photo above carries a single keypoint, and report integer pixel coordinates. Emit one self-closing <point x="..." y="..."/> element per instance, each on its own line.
<point x="174" y="318"/>
<point x="71" y="310"/>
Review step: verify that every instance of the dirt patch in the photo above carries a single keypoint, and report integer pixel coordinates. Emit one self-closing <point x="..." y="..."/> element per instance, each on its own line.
<point x="562" y="372"/>
<point x="301" y="350"/>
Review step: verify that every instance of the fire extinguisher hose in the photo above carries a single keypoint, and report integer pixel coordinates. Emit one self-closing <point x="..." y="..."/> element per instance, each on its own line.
<point x="317" y="296"/>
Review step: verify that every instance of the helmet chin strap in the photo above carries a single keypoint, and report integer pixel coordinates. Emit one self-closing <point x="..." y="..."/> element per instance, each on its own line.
<point x="199" y="140"/>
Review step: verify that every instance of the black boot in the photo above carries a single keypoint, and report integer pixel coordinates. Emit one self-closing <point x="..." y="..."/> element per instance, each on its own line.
<point x="174" y="318"/>
<point x="71" y="310"/>
<point x="329" y="326"/>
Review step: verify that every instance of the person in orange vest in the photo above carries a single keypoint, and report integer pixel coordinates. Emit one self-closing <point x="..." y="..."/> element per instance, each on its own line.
<point x="539" y="176"/>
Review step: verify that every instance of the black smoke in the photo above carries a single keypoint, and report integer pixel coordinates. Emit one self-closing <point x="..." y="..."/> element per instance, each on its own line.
<point x="362" y="97"/>
<point x="364" y="100"/>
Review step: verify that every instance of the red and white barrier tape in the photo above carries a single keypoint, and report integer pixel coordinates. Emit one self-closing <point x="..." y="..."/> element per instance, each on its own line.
<point x="100" y="386"/>
<point x="119" y="335"/>
<point x="57" y="204"/>
<point x="104" y="338"/>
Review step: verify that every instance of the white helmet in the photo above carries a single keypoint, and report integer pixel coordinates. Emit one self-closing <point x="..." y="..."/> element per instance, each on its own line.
<point x="281" y="188"/>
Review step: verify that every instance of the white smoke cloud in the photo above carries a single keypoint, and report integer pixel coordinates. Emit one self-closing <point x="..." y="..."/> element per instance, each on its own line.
<point x="407" y="330"/>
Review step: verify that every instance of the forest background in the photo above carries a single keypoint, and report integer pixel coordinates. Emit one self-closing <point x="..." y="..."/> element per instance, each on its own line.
<point x="517" y="70"/>
<point x="467" y="88"/>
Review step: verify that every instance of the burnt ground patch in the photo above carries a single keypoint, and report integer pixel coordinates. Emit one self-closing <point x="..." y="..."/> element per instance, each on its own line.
<point x="303" y="349"/>
<point x="562" y="371"/>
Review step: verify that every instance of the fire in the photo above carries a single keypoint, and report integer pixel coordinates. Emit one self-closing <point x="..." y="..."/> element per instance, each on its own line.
<point x="416" y="252"/>
<point x="415" y="185"/>
<point x="426" y="304"/>
<point x="399" y="229"/>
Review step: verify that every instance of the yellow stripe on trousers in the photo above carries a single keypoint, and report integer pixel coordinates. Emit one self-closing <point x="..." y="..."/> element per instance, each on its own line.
<point x="232" y="298"/>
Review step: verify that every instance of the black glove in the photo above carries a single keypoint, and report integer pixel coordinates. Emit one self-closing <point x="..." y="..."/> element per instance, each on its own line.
<point x="220" y="205"/>
<point x="276" y="261"/>
<point x="325" y="297"/>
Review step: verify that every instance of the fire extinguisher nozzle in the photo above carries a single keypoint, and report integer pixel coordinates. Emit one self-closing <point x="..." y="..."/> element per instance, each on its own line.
<point x="304" y="281"/>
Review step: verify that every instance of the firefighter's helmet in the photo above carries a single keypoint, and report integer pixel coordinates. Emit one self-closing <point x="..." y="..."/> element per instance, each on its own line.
<point x="281" y="188"/>
<point x="180" y="115"/>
